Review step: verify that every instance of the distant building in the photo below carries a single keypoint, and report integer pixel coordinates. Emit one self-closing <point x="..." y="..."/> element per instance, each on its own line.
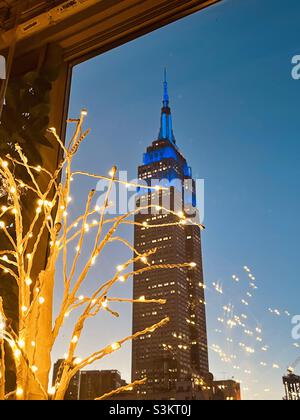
<point x="229" y="390"/>
<point x="291" y="384"/>
<point x="73" y="389"/>
<point x="94" y="383"/>
<point x="90" y="384"/>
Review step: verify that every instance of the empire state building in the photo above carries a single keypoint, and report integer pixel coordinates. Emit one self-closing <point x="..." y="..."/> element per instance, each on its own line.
<point x="175" y="357"/>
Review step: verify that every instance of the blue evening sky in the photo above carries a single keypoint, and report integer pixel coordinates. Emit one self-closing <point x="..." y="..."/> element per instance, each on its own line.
<point x="236" y="119"/>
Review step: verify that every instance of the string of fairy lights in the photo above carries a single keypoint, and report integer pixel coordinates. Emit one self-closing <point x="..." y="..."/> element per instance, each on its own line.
<point x="38" y="330"/>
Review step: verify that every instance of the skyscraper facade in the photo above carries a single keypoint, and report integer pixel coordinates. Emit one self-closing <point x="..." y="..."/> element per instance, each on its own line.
<point x="175" y="357"/>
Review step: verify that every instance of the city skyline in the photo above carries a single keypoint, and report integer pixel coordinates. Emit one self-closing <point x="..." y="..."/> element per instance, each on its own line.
<point x="249" y="97"/>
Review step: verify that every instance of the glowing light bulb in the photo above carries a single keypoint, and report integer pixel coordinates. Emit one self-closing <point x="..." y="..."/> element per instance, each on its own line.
<point x="2" y="225"/>
<point x="115" y="346"/>
<point x="21" y="344"/>
<point x="40" y="202"/>
<point x="74" y="339"/>
<point x="34" y="368"/>
<point x="81" y="297"/>
<point x="104" y="304"/>
<point x="122" y="279"/>
<point x="4" y="164"/>
<point x="32" y="344"/>
<point x="41" y="300"/>
<point x="120" y="267"/>
<point x="84" y="112"/>
<point x="4" y="208"/>
<point x="28" y="256"/>
<point x="193" y="264"/>
<point x="24" y="309"/>
<point x="12" y="190"/>
<point x="19" y="392"/>
<point x="51" y="390"/>
<point x="77" y="361"/>
<point x="142" y="298"/>
<point x="144" y="260"/>
<point x="17" y="353"/>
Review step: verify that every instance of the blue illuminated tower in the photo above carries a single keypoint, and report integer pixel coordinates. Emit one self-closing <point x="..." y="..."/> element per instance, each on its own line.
<point x="174" y="358"/>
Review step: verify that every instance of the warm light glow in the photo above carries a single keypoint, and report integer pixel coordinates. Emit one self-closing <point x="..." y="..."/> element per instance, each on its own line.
<point x="17" y="353"/>
<point x="74" y="339"/>
<point x="28" y="282"/>
<point x="21" y="344"/>
<point x="112" y="172"/>
<point x="19" y="392"/>
<point x="41" y="300"/>
<point x="51" y="390"/>
<point x="115" y="346"/>
<point x="2" y="225"/>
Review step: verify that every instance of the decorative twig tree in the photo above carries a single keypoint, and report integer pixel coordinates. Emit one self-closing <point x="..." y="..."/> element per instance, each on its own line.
<point x="38" y="327"/>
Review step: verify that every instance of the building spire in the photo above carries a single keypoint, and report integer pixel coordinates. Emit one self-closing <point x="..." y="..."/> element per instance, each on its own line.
<point x="166" y="93"/>
<point x="166" y="125"/>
